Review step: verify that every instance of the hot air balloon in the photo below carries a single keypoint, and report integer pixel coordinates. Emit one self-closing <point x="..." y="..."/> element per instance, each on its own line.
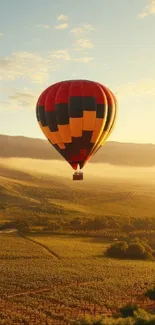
<point x="77" y="117"/>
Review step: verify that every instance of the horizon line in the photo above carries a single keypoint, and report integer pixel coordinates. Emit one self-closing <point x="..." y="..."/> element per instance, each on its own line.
<point x="124" y="142"/>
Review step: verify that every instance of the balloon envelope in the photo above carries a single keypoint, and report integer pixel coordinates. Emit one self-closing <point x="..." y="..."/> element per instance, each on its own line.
<point x="76" y="116"/>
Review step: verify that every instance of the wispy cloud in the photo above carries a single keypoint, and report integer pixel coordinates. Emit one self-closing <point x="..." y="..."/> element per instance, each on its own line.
<point x="36" y="68"/>
<point x="20" y="99"/>
<point x="64" y="22"/>
<point x="141" y="88"/>
<point x="62" y="17"/>
<point x="81" y="40"/>
<point x="23" y="99"/>
<point x="148" y="10"/>
<point x="86" y="28"/>
<point x="65" y="55"/>
<point x="83" y="44"/>
<point x="1" y="34"/>
<point x="83" y="59"/>
<point x="61" y="54"/>
<point x="26" y="65"/>
<point x="61" y="26"/>
<point x="44" y="26"/>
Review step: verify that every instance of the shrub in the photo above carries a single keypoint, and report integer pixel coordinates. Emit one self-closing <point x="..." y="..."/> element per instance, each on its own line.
<point x="143" y="318"/>
<point x="128" y="310"/>
<point x="117" y="249"/>
<point x="133" y="249"/>
<point x="150" y="293"/>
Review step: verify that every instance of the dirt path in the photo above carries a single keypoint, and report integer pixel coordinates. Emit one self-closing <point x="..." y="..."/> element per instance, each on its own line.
<point x="52" y="253"/>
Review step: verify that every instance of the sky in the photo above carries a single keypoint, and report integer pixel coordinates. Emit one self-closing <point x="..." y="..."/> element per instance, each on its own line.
<point x="109" y="41"/>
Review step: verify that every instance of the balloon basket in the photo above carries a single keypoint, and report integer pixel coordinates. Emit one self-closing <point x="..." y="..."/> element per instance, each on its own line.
<point x="78" y="176"/>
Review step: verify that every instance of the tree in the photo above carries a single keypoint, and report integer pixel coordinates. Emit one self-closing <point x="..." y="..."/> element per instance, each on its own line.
<point x="136" y="250"/>
<point x="76" y="223"/>
<point x="117" y="249"/>
<point x="95" y="224"/>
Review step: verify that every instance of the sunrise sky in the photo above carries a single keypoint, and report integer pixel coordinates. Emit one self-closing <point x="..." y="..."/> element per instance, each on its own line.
<point x="44" y="41"/>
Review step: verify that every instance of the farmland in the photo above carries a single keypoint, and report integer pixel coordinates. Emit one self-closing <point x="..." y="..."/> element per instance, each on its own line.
<point x="54" y="268"/>
<point x="78" y="279"/>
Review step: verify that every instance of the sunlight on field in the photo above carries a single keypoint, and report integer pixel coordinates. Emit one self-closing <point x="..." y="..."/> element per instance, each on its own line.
<point x="31" y="275"/>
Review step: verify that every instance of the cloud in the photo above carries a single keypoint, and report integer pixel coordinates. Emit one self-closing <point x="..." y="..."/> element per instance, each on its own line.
<point x="37" y="68"/>
<point x="62" y="17"/>
<point x="84" y="59"/>
<point x="61" y="26"/>
<point x="66" y="56"/>
<point x="83" y="44"/>
<point x="1" y="34"/>
<point x="142" y="87"/>
<point x="61" y="54"/>
<point x="148" y="10"/>
<point x="23" y="99"/>
<point x="26" y="65"/>
<point x="43" y="26"/>
<point x="86" y="28"/>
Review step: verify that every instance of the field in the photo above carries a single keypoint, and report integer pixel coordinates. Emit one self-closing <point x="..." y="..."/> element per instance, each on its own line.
<point x="60" y="278"/>
<point x="55" y="276"/>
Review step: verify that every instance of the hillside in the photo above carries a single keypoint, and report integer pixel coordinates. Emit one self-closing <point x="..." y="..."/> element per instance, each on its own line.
<point x="37" y="188"/>
<point x="47" y="200"/>
<point x="63" y="229"/>
<point x="114" y="153"/>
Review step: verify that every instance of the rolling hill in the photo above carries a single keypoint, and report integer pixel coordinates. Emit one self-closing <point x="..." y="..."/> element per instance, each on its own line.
<point x="64" y="229"/>
<point x="34" y="183"/>
<point x="115" y="153"/>
<point x="43" y="199"/>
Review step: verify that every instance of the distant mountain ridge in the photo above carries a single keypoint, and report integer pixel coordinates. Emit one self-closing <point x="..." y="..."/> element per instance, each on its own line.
<point x="114" y="153"/>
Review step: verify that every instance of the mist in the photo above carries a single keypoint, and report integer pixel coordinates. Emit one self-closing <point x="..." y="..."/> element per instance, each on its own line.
<point x="95" y="170"/>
